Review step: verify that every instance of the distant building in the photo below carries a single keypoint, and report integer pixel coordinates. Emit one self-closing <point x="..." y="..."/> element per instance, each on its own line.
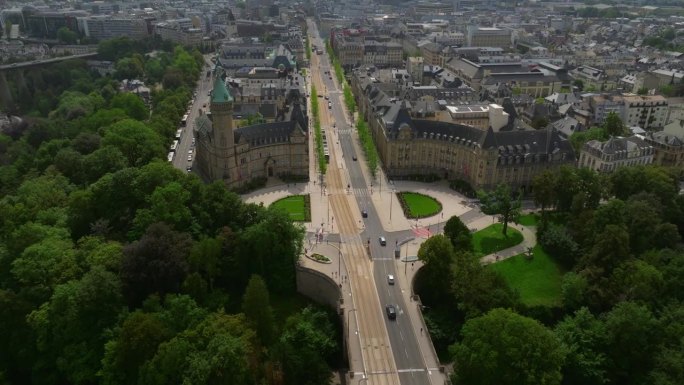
<point x="488" y="37"/>
<point x="108" y="27"/>
<point x="614" y="153"/>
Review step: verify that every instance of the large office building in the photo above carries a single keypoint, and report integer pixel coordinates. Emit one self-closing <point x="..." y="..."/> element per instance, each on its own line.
<point x="108" y="27"/>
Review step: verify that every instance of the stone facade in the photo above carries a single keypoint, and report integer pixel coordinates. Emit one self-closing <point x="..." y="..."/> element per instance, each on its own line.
<point x="412" y="140"/>
<point x="614" y="153"/>
<point x="238" y="155"/>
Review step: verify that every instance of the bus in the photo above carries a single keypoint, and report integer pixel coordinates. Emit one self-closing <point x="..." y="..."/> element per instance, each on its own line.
<point x="179" y="134"/>
<point x="170" y="155"/>
<point x="326" y="153"/>
<point x="174" y="146"/>
<point x="184" y="121"/>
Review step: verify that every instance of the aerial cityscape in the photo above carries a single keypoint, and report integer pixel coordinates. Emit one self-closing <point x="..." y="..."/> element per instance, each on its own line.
<point x="363" y="192"/>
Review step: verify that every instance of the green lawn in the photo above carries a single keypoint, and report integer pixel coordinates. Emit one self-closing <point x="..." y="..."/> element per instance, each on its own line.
<point x="538" y="280"/>
<point x="490" y="239"/>
<point x="417" y="205"/>
<point x="530" y="219"/>
<point x="297" y="206"/>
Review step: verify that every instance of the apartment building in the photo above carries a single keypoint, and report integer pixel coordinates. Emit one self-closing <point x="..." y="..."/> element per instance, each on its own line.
<point x="174" y="32"/>
<point x="608" y="156"/>
<point x="647" y="112"/>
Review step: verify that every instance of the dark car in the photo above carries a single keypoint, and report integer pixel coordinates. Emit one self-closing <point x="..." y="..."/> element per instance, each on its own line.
<point x="364" y="213"/>
<point x="354" y="158"/>
<point x="391" y="311"/>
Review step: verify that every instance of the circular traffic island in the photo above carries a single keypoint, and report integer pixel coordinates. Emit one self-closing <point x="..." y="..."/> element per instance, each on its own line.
<point x="417" y="205"/>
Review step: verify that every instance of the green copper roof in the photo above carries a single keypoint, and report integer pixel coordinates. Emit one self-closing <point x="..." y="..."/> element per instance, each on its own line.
<point x="220" y="94"/>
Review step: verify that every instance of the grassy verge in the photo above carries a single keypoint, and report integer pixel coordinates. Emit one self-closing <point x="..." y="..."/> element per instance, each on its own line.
<point x="318" y="135"/>
<point x="297" y="206"/>
<point x="529" y="219"/>
<point x="368" y="146"/>
<point x="417" y="205"/>
<point x="490" y="239"/>
<point x="538" y="280"/>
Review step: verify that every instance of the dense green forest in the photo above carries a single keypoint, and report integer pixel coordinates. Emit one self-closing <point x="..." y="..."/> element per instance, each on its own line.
<point x="621" y="321"/>
<point x="116" y="268"/>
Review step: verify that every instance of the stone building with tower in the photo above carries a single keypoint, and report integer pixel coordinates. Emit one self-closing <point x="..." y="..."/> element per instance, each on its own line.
<point x="238" y="155"/>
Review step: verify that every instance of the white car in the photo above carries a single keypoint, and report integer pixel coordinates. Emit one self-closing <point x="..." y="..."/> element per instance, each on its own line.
<point x="190" y="151"/>
<point x="190" y="158"/>
<point x="390" y="279"/>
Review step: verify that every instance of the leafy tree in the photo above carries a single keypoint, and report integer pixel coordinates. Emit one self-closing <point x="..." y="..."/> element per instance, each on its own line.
<point x="573" y="290"/>
<point x="636" y="280"/>
<point x="579" y="84"/>
<point x="633" y="335"/>
<point x="155" y="264"/>
<point x="86" y="142"/>
<point x="476" y="289"/>
<point x="136" y="342"/>
<point x="70" y="327"/>
<point x="610" y="249"/>
<point x="544" y="187"/>
<point x="218" y="350"/>
<point x="45" y="264"/>
<point x="501" y="202"/>
<point x="128" y="68"/>
<point x="578" y="139"/>
<point x="132" y="104"/>
<point x="73" y="104"/>
<point x="102" y="161"/>
<point x="205" y="258"/>
<point x="67" y="36"/>
<point x="437" y="253"/>
<point x="169" y="204"/>
<point x="136" y="141"/>
<point x="613" y="124"/>
<point x="556" y="240"/>
<point x="584" y="337"/>
<point x="307" y="341"/>
<point x="273" y="246"/>
<point x="459" y="234"/>
<point x="257" y="308"/>
<point x="497" y="349"/>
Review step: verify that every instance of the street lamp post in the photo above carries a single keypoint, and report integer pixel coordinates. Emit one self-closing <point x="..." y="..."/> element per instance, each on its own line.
<point x="339" y="259"/>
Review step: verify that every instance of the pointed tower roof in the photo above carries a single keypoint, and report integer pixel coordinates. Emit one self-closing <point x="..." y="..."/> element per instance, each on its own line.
<point x="220" y="93"/>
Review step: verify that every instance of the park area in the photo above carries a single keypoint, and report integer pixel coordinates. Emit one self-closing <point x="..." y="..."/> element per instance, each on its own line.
<point x="417" y="205"/>
<point x="490" y="239"/>
<point x="297" y="206"/>
<point x="537" y="279"/>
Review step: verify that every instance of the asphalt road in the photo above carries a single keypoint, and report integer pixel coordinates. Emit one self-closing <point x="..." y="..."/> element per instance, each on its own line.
<point x="410" y="365"/>
<point x="204" y="85"/>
